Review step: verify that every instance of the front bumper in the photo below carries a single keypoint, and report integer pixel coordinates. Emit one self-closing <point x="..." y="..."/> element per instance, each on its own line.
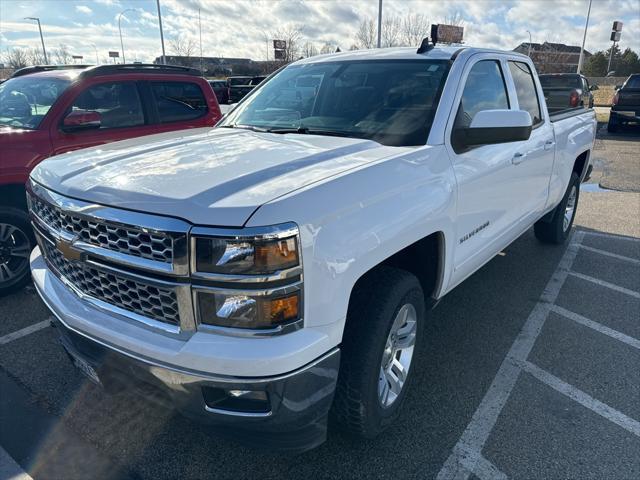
<point x="294" y="406"/>
<point x="298" y="403"/>
<point x="624" y="115"/>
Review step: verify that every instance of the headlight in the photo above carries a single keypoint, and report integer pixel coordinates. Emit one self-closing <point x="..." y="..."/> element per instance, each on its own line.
<point x="248" y="253"/>
<point x="247" y="310"/>
<point x="249" y="278"/>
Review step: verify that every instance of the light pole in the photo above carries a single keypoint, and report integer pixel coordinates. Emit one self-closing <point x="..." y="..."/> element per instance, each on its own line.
<point x="164" y="57"/>
<point x="529" y="52"/>
<point x="120" y="30"/>
<point x="96" y="50"/>
<point x="379" y="23"/>
<point x="584" y="38"/>
<point x="44" y="51"/>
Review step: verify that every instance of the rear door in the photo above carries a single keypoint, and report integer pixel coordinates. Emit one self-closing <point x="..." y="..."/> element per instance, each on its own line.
<point x="177" y="105"/>
<point x="533" y="162"/>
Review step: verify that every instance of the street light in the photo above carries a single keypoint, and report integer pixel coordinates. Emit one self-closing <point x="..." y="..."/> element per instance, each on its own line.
<point x="164" y="57"/>
<point x="529" y="52"/>
<point x="379" y="23"/>
<point x="120" y="30"/>
<point x="96" y="49"/>
<point x="584" y="38"/>
<point x="44" y="51"/>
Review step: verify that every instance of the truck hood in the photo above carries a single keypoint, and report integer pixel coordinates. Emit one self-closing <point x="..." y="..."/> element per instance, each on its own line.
<point x="216" y="177"/>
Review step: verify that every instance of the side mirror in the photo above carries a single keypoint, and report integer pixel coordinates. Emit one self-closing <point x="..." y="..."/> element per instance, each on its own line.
<point x="81" y="120"/>
<point x="594" y="87"/>
<point x="497" y="126"/>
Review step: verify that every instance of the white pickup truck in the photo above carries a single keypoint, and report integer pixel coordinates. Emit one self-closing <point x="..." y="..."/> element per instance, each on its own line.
<point x="277" y="269"/>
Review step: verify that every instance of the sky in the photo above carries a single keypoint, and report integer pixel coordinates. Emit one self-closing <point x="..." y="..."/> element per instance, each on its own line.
<point x="240" y="28"/>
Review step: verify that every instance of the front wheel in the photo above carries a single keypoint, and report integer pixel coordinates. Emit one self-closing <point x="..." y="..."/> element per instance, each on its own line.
<point x="16" y="243"/>
<point x="557" y="230"/>
<point x="381" y="340"/>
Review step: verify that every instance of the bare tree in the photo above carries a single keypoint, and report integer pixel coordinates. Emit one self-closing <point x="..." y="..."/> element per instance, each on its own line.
<point x="35" y="56"/>
<point x="309" y="50"/>
<point x="62" y="55"/>
<point x="415" y="27"/>
<point x="391" y="30"/>
<point x="292" y="37"/>
<point x="183" y="47"/>
<point x="353" y="47"/>
<point x="366" y="34"/>
<point x="454" y="18"/>
<point x="16" y="58"/>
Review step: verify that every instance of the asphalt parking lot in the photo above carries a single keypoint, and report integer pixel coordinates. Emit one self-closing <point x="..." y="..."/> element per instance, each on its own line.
<point x="531" y="370"/>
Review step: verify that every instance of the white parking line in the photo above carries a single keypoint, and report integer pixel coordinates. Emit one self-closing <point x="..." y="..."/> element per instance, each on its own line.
<point x="635" y="261"/>
<point x="602" y="283"/>
<point x="584" y="399"/>
<point x="23" y="332"/>
<point x="467" y="453"/>
<point x="611" y="235"/>
<point x="633" y="342"/>
<point x="9" y="468"/>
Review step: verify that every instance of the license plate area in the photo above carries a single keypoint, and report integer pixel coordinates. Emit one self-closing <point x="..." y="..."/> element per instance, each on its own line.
<point x="85" y="367"/>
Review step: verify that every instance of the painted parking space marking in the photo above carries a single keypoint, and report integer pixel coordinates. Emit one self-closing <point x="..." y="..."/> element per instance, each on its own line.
<point x="583" y="398"/>
<point x="23" y="332"/>
<point x="611" y="235"/>
<point x="467" y="453"/>
<point x="633" y="342"/>
<point x="635" y="261"/>
<point x="602" y="283"/>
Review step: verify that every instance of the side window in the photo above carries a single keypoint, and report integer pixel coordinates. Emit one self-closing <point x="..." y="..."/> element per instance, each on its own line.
<point x="178" y="101"/>
<point x="526" y="90"/>
<point x="118" y="104"/>
<point x="485" y="90"/>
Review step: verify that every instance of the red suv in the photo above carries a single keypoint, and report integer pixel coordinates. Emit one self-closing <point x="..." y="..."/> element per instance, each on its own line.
<point x="46" y="110"/>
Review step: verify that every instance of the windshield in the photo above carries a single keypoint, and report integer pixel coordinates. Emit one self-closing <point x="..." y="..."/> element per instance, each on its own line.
<point x="24" y="101"/>
<point x="633" y="82"/>
<point x="239" y="81"/>
<point x="558" y="81"/>
<point x="391" y="102"/>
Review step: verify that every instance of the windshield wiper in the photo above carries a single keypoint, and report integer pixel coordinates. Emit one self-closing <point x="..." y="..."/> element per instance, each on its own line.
<point x="312" y="131"/>
<point x="246" y="127"/>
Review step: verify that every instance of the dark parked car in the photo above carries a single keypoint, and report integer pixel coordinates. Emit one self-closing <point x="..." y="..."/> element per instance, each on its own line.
<point x="221" y="90"/>
<point x="563" y="91"/>
<point x="625" y="106"/>
<point x="239" y="87"/>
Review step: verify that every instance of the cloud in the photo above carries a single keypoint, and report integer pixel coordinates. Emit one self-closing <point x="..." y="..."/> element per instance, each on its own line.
<point x="84" y="9"/>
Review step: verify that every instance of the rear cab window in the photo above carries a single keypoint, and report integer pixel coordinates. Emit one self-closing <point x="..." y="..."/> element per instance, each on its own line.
<point x="178" y="101"/>
<point x="526" y="90"/>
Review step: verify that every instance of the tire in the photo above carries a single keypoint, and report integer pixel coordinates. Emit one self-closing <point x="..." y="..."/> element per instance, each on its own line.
<point x="382" y="297"/>
<point x="612" y="126"/>
<point x="556" y="231"/>
<point x="16" y="243"/>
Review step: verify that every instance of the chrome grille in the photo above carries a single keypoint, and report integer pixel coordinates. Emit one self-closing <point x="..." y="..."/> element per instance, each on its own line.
<point x="150" y="301"/>
<point x="127" y="240"/>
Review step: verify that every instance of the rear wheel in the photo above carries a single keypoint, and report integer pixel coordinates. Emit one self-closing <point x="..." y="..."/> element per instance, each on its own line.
<point x="558" y="228"/>
<point x="380" y="343"/>
<point x="16" y="243"/>
<point x="612" y="126"/>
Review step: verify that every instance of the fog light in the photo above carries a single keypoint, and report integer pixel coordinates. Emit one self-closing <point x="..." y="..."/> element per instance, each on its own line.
<point x="237" y="401"/>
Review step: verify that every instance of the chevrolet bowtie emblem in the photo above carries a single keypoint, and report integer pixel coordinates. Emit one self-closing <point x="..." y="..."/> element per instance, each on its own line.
<point x="68" y="251"/>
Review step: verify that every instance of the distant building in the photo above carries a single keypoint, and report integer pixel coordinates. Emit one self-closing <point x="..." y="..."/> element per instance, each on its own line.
<point x="553" y="57"/>
<point x="217" y="66"/>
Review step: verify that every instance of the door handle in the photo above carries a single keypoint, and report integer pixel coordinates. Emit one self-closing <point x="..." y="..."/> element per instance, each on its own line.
<point x="549" y="144"/>
<point x="518" y="158"/>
